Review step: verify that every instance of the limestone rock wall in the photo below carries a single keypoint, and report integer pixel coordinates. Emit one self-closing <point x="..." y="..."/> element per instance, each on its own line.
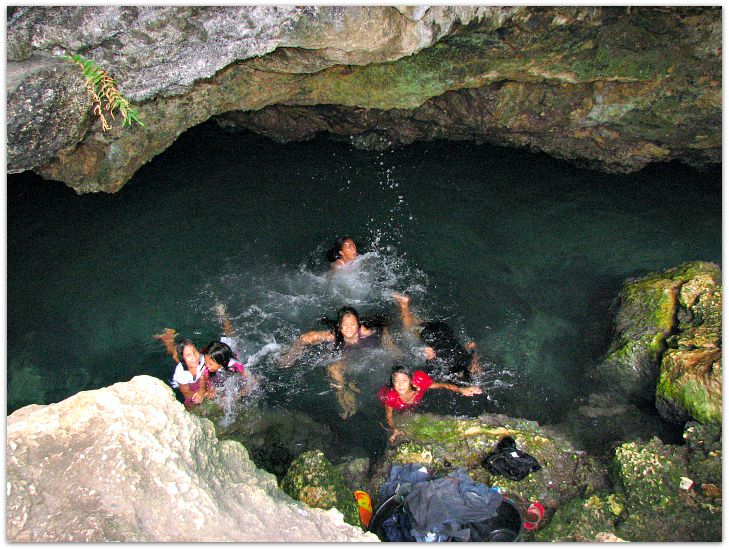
<point x="610" y="88"/>
<point x="127" y="463"/>
<point x="667" y="343"/>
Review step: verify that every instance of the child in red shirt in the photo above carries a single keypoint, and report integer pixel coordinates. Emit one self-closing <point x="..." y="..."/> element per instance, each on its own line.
<point x="407" y="390"/>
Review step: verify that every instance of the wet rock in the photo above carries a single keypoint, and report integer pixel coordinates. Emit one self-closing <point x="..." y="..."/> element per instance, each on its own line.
<point x="647" y="316"/>
<point x="657" y="509"/>
<point x="355" y="473"/>
<point x="128" y="463"/>
<point x="690" y="380"/>
<point x="704" y="449"/>
<point x="273" y="438"/>
<point x="583" y="520"/>
<point x="443" y="444"/>
<point x="313" y="480"/>
<point x="610" y="88"/>
<point x="648" y="503"/>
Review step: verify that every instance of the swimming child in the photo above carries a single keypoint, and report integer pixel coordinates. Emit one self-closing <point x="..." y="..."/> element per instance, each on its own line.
<point x="223" y="365"/>
<point x="346" y="333"/>
<point x="441" y="344"/>
<point x="342" y="253"/>
<point x="407" y="389"/>
<point x="190" y="375"/>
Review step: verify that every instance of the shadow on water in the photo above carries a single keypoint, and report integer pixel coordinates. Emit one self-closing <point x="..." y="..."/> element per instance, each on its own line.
<point x="521" y="253"/>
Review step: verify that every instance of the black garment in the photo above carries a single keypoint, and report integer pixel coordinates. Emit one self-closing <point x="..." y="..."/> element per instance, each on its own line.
<point x="448" y="350"/>
<point x="510" y="462"/>
<point x="396" y="527"/>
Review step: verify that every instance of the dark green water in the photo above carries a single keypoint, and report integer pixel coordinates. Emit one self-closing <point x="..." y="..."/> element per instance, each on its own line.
<point x="520" y="253"/>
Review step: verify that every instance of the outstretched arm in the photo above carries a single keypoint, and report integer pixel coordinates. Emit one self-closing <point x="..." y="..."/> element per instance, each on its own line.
<point x="167" y="337"/>
<point x="468" y="391"/>
<point x="391" y="423"/>
<point x="307" y="339"/>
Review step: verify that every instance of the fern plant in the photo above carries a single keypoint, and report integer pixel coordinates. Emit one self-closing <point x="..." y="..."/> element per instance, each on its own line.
<point x="102" y="90"/>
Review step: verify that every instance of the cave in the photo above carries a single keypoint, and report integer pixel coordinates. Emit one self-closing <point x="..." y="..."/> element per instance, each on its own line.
<point x="507" y="168"/>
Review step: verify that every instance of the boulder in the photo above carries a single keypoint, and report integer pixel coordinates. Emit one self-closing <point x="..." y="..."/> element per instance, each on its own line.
<point x="690" y="379"/>
<point x="647" y="316"/>
<point x="127" y="463"/>
<point x="657" y="507"/>
<point x="583" y="519"/>
<point x="48" y="111"/>
<point x="661" y="493"/>
<point x="355" y="473"/>
<point x="314" y="480"/>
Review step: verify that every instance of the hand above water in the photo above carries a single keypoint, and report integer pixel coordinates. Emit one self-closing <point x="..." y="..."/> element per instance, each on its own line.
<point x="395" y="433"/>
<point x="470" y="391"/>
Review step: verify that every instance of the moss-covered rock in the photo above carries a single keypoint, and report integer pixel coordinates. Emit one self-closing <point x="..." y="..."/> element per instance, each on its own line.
<point x="657" y="508"/>
<point x="647" y="316"/>
<point x="690" y="379"/>
<point x="313" y="480"/>
<point x="703" y="444"/>
<point x="274" y="438"/>
<point x="648" y="503"/>
<point x="443" y="444"/>
<point x="355" y="473"/>
<point x="583" y="519"/>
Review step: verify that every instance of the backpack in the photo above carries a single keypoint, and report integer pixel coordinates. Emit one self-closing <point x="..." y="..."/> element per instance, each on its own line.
<point x="510" y="462"/>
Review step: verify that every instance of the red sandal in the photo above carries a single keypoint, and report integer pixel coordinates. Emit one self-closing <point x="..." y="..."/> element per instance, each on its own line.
<point x="535" y="508"/>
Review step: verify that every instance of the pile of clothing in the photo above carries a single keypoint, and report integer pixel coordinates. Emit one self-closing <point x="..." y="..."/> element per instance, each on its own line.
<point x="417" y="508"/>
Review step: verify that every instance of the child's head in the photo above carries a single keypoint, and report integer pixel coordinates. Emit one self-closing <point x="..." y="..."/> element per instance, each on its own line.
<point x="188" y="354"/>
<point x="348" y="321"/>
<point x="217" y="356"/>
<point x="344" y="248"/>
<point x="401" y="379"/>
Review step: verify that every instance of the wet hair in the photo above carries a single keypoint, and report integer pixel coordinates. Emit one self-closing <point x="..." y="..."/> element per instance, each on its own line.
<point x="346" y="310"/>
<point x="439" y="336"/>
<point x="376" y="322"/>
<point x="220" y="352"/>
<point x="343" y="311"/>
<point x="333" y="253"/>
<point x="402" y="369"/>
<point x="181" y="345"/>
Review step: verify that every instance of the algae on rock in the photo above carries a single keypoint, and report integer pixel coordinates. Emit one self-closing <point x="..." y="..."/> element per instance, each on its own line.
<point x="649" y="313"/>
<point x="657" y="508"/>
<point x="690" y="380"/>
<point x="443" y="444"/>
<point x="647" y="503"/>
<point x="313" y="480"/>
